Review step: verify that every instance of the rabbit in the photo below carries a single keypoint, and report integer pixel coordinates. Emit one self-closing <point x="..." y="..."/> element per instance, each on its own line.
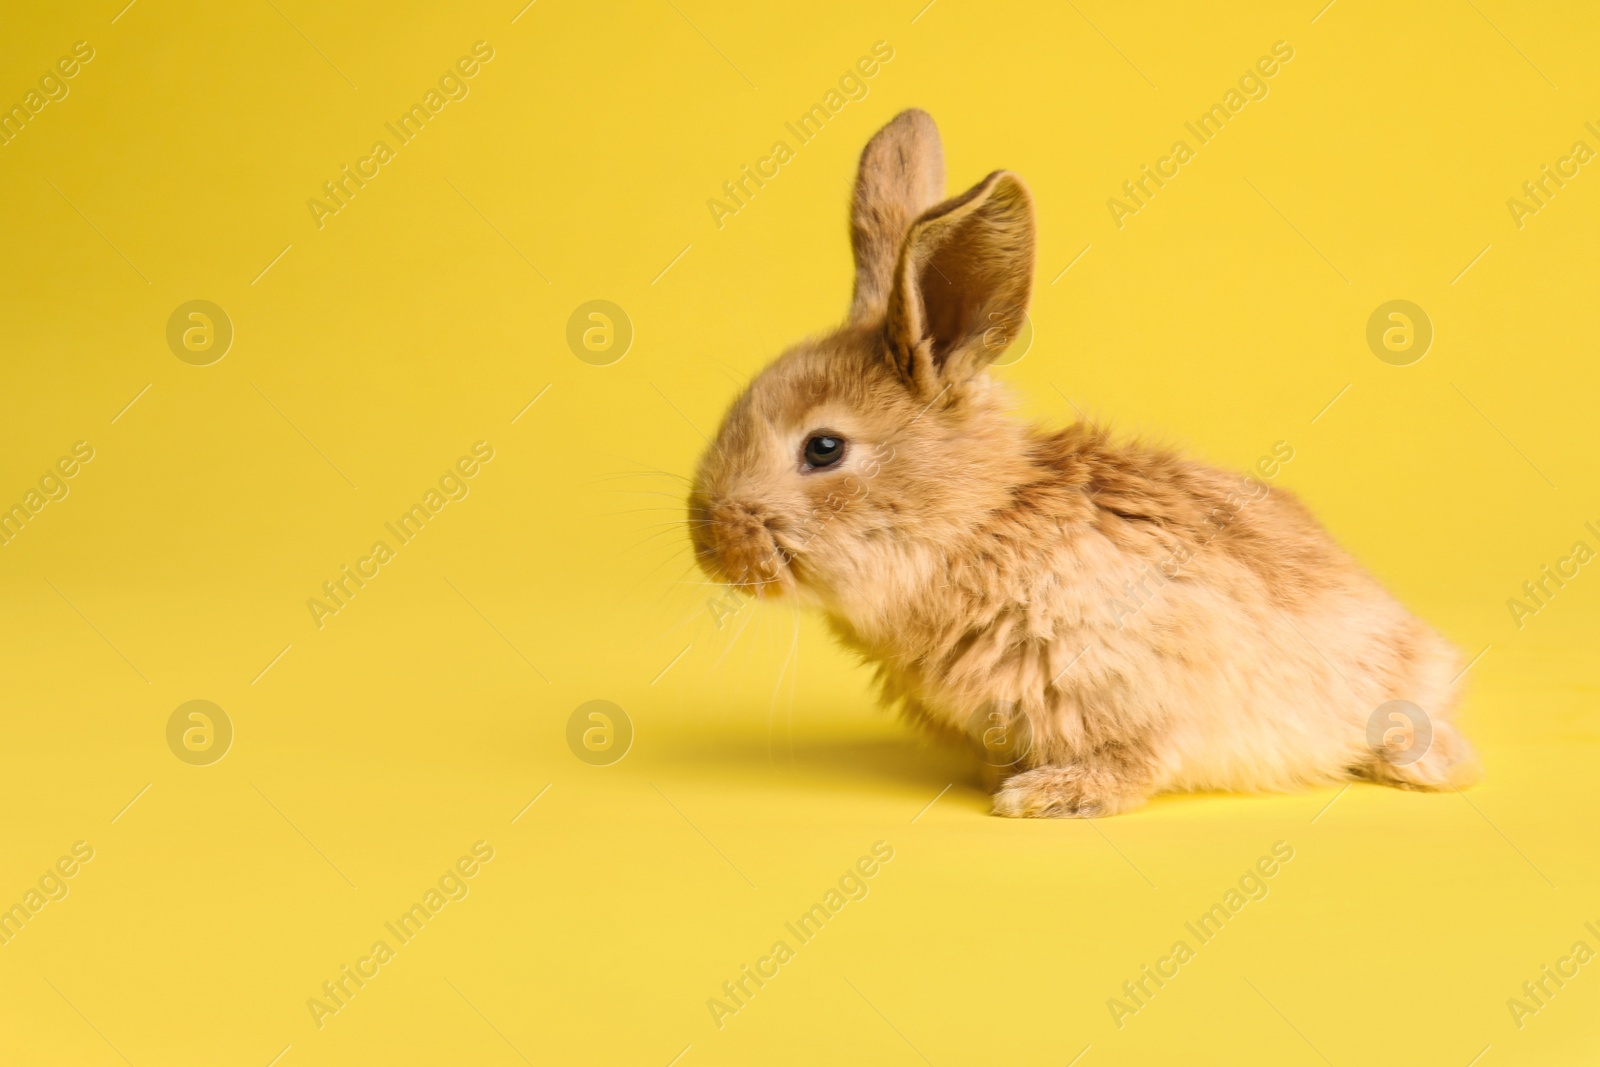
<point x="1100" y="621"/>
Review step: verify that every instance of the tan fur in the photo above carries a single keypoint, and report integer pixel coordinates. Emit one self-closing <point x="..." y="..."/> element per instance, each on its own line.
<point x="1143" y="622"/>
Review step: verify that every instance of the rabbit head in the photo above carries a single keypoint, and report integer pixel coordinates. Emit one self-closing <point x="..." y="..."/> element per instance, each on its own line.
<point x="860" y="450"/>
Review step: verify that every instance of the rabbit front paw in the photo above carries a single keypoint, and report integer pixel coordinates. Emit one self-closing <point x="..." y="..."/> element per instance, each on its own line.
<point x="1070" y="792"/>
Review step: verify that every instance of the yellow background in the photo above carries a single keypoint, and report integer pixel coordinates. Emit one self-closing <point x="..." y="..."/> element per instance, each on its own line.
<point x="427" y="714"/>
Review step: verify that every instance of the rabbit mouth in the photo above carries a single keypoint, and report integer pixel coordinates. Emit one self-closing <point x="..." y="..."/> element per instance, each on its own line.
<point x="740" y="546"/>
<point x="753" y="568"/>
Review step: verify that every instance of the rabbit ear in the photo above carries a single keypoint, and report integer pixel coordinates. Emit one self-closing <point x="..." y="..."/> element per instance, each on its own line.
<point x="962" y="284"/>
<point x="901" y="176"/>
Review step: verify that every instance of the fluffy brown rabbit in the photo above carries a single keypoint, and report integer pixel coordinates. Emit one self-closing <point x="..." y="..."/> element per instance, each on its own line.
<point x="1101" y="621"/>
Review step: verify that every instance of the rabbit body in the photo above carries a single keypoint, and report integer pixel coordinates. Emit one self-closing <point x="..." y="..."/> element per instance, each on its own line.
<point x="1100" y="621"/>
<point x="1138" y="623"/>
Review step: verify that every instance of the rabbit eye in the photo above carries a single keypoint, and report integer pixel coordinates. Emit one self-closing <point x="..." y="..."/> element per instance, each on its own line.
<point x="824" y="450"/>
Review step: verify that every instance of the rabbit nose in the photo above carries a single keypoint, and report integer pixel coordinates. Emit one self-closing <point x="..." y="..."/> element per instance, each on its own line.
<point x="737" y="518"/>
